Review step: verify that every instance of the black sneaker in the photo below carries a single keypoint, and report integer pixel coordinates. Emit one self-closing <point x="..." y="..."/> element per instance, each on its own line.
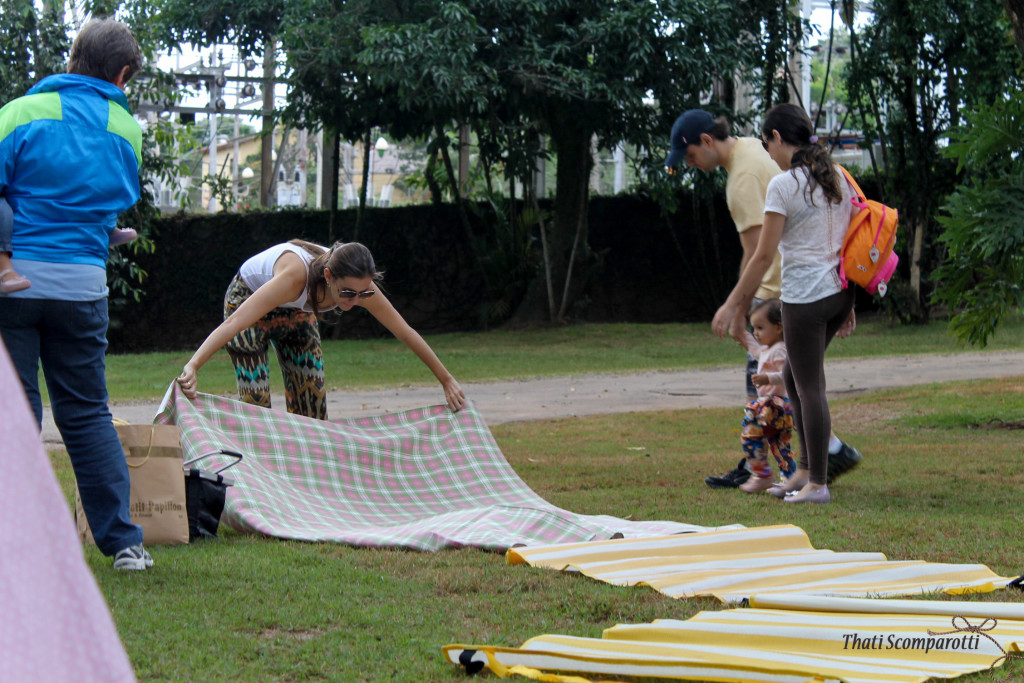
<point x="842" y="462"/>
<point x="132" y="558"/>
<point x="732" y="479"/>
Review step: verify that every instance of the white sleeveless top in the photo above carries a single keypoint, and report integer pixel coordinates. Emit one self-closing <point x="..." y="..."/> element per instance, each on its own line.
<point x="259" y="269"/>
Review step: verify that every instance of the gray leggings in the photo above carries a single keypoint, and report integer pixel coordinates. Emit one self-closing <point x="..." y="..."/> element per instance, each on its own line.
<point x="808" y="330"/>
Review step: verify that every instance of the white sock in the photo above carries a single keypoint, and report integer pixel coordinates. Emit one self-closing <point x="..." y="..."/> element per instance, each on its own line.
<point x="834" y="444"/>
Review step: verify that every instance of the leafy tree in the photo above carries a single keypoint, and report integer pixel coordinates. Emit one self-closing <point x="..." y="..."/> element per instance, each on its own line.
<point x="1015" y="14"/>
<point x="570" y="71"/>
<point x="33" y="45"/>
<point x="982" y="279"/>
<point x="251" y="25"/>
<point x="329" y="86"/>
<point x="829" y="63"/>
<point x="777" y="31"/>
<point x="915" y="68"/>
<point x="34" y="42"/>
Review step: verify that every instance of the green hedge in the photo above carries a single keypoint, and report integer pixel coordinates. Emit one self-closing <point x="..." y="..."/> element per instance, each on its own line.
<point x="649" y="267"/>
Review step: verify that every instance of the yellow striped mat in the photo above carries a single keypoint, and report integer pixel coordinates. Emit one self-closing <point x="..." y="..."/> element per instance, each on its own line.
<point x="892" y="643"/>
<point x="734" y="564"/>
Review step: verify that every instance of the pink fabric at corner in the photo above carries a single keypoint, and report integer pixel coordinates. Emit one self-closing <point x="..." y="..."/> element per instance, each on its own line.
<point x="54" y="623"/>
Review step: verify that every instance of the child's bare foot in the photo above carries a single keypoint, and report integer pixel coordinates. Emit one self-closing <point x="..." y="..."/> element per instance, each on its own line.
<point x="10" y="281"/>
<point x="122" y="236"/>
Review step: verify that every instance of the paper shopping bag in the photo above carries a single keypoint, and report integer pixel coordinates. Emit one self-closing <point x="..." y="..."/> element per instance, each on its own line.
<point x="157" y="502"/>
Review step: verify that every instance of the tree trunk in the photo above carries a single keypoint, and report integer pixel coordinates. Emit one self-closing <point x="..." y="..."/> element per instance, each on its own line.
<point x="436" y="192"/>
<point x="1015" y="13"/>
<point x="276" y="166"/>
<point x="551" y="295"/>
<point x="460" y="205"/>
<point x="545" y="253"/>
<point x="267" y="139"/>
<point x="367" y="178"/>
<point x="569" y="243"/>
<point x="329" y="172"/>
<point x="916" y="254"/>
<point x="772" y="29"/>
<point x="854" y="60"/>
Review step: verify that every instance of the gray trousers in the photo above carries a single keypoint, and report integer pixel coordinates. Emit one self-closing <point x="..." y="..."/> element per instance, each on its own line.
<point x="809" y="329"/>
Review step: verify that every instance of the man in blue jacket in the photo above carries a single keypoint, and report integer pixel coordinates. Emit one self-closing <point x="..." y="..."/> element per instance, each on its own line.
<point x="69" y="165"/>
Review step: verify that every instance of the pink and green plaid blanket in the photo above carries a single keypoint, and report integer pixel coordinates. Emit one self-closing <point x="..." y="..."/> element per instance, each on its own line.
<point x="423" y="479"/>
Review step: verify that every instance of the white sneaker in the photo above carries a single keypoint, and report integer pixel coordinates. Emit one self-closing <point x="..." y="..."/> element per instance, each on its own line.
<point x="132" y="558"/>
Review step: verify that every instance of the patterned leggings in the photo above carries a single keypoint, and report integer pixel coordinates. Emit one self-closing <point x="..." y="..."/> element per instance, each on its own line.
<point x="295" y="337"/>
<point x="768" y="426"/>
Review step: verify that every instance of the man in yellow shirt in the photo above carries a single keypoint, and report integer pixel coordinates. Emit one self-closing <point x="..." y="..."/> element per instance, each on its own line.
<point x="701" y="141"/>
<point x="706" y="143"/>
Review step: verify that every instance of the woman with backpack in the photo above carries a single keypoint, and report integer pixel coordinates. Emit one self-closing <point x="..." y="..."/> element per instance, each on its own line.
<point x="807" y="213"/>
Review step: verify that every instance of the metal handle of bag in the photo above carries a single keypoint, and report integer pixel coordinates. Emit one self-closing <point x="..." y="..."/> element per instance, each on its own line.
<point x="223" y="451"/>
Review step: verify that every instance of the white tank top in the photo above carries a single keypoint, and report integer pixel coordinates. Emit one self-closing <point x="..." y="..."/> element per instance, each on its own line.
<point x="259" y="269"/>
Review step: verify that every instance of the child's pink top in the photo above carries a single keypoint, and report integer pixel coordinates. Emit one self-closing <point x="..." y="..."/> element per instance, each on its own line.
<point x="770" y="361"/>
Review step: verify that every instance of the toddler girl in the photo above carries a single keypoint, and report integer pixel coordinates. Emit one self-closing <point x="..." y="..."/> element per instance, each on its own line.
<point x="768" y="419"/>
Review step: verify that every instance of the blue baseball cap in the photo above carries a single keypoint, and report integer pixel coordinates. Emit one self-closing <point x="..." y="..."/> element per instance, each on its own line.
<point x="686" y="131"/>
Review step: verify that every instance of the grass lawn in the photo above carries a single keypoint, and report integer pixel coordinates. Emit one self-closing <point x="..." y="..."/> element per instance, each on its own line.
<point x="941" y="481"/>
<point x="531" y="353"/>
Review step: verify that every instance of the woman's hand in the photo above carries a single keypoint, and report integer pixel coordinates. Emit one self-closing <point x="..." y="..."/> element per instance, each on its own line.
<point x="188" y="381"/>
<point x="723" y="319"/>
<point x="759" y="379"/>
<point x="453" y="395"/>
<point x="847" y="327"/>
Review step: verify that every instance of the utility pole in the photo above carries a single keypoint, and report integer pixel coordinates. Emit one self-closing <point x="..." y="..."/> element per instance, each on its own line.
<point x="267" y="146"/>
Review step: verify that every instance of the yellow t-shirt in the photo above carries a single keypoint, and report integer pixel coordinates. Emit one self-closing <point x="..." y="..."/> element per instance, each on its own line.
<point x="750" y="168"/>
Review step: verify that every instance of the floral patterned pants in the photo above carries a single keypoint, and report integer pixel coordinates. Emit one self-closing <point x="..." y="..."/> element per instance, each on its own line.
<point x="296" y="338"/>
<point x="768" y="426"/>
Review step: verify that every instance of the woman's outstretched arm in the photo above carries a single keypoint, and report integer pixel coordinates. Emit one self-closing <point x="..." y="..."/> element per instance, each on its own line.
<point x="287" y="285"/>
<point x="385" y="313"/>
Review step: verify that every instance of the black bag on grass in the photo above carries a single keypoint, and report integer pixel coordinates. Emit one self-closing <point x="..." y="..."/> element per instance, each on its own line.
<point x="204" y="495"/>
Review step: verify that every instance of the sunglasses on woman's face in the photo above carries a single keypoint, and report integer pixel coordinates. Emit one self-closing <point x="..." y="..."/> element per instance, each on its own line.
<point x="764" y="143"/>
<point x="352" y="294"/>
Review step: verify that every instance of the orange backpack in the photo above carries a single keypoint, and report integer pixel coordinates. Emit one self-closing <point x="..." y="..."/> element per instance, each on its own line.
<point x="867" y="256"/>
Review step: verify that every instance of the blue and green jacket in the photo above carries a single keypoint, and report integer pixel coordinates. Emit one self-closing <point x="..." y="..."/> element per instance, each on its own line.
<point x="69" y="164"/>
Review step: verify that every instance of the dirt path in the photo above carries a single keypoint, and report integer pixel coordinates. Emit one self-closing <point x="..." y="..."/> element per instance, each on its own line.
<point x="603" y="394"/>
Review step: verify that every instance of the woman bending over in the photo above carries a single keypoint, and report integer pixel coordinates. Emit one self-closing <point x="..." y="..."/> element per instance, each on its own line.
<point x="275" y="299"/>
